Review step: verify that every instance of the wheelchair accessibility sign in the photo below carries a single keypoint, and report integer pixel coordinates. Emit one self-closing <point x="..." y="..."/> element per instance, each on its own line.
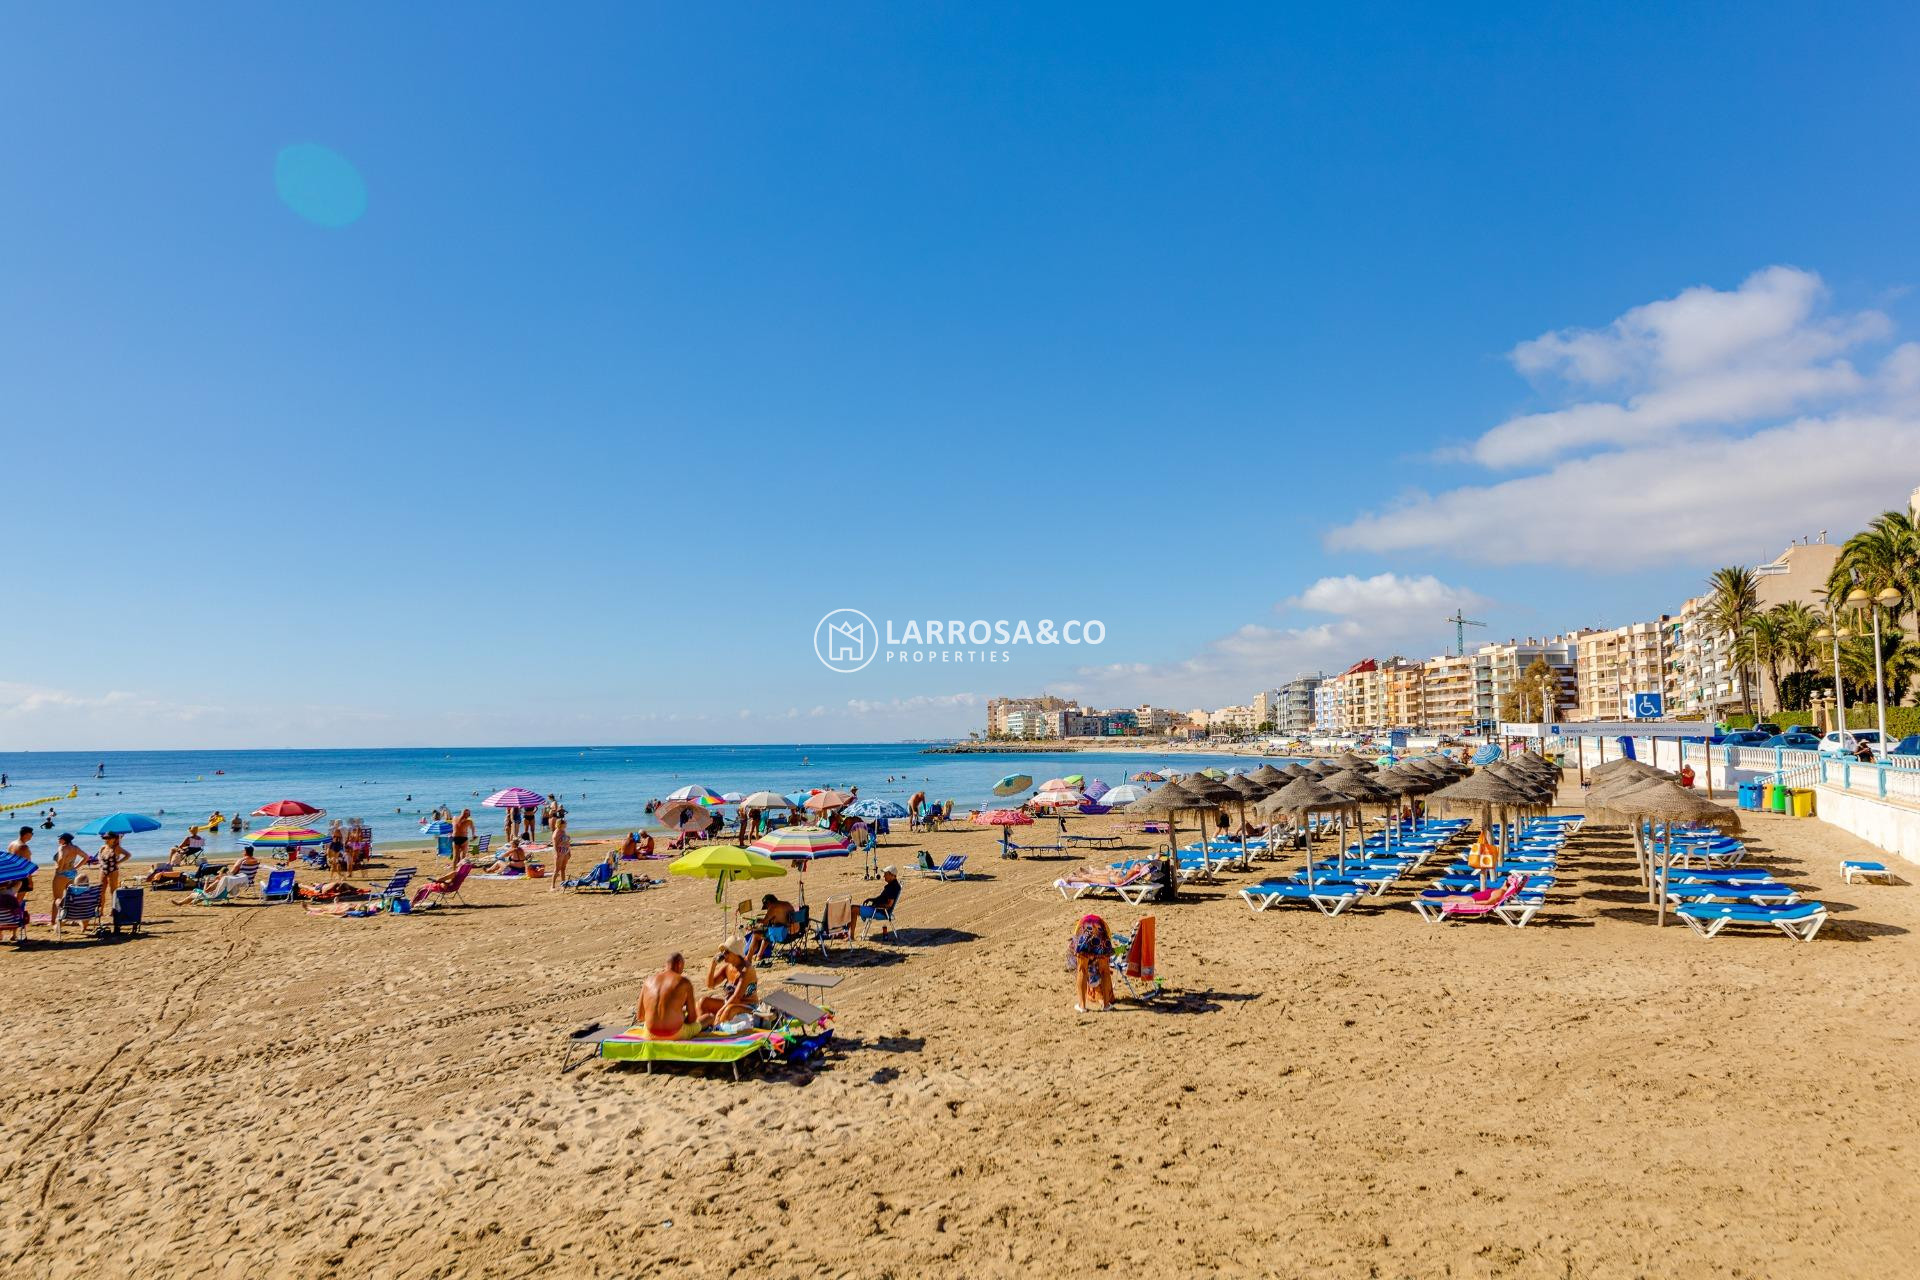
<point x="1648" y="706"/>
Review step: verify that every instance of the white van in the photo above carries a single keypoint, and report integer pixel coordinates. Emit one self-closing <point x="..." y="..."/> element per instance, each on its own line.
<point x="1846" y="742"/>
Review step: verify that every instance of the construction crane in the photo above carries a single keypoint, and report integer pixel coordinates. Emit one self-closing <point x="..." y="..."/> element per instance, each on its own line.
<point x="1460" y="623"/>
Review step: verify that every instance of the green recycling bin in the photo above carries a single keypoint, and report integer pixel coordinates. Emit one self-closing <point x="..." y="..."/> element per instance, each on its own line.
<point x="1777" y="798"/>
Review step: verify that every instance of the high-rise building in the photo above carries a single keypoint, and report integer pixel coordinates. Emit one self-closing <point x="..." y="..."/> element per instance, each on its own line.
<point x="1509" y="660"/>
<point x="1447" y="694"/>
<point x="1613" y="665"/>
<point x="1296" y="713"/>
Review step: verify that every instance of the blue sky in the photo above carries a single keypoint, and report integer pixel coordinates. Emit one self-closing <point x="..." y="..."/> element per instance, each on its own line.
<point x="663" y="333"/>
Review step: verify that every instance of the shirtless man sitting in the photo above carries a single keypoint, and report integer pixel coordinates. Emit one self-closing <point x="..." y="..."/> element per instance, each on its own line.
<point x="774" y="912"/>
<point x="666" y="1009"/>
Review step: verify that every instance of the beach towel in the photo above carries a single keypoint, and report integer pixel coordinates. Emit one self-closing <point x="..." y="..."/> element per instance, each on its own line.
<point x="346" y="910"/>
<point x="1140" y="953"/>
<point x="636" y="1046"/>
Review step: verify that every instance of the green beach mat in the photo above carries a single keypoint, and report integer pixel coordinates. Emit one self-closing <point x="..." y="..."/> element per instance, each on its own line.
<point x="635" y="1047"/>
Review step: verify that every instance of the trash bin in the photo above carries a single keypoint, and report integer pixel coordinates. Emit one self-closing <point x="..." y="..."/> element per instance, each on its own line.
<point x="1749" y="795"/>
<point x="1802" y="802"/>
<point x="1776" y="798"/>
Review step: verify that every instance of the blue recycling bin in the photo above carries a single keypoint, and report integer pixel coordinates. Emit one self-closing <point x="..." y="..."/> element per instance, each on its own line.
<point x="1749" y="795"/>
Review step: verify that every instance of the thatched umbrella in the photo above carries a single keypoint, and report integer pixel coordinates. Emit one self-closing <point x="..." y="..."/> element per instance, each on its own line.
<point x="1403" y="785"/>
<point x="1358" y="788"/>
<point x="1622" y="765"/>
<point x="1219" y="792"/>
<point x="1667" y="803"/>
<point x="1486" y="791"/>
<point x="1167" y="802"/>
<point x="1301" y="797"/>
<point x="1271" y="778"/>
<point x="1353" y="760"/>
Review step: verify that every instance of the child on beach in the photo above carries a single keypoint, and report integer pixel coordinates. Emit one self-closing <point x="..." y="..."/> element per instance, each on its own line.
<point x="1090" y="954"/>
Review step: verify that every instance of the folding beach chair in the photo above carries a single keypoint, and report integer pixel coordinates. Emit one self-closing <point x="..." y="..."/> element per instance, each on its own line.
<point x="129" y="910"/>
<point x="449" y="887"/>
<point x="1135" y="953"/>
<point x="395" y="887"/>
<point x="278" y="888"/>
<point x="836" y="924"/>
<point x="600" y="879"/>
<point x="13" y="917"/>
<point x="80" y="905"/>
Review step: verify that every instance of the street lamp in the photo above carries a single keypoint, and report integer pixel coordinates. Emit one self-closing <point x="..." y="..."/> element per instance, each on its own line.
<point x="1857" y="600"/>
<point x="1836" y="634"/>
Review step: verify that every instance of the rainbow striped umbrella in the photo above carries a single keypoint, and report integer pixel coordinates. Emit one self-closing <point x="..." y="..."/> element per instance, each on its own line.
<point x="514" y="798"/>
<point x="802" y="845"/>
<point x="286" y="837"/>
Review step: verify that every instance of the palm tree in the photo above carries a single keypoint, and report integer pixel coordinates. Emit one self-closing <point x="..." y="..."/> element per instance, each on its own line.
<point x="1899" y="662"/>
<point x="1794" y="625"/>
<point x="1735" y="598"/>
<point x="1884" y="554"/>
<point x="1760" y="645"/>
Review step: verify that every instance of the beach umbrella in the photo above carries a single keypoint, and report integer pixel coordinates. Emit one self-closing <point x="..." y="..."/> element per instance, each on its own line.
<point x="120" y="824"/>
<point x="1076" y="780"/>
<point x="1486" y="791"/>
<point x="1013" y="784"/>
<point x="1667" y="802"/>
<point x="1361" y="790"/>
<point x="289" y="809"/>
<point x="1147" y="775"/>
<point x="1167" y="802"/>
<point x="873" y="810"/>
<point x="1096" y="789"/>
<point x="1004" y="818"/>
<point x="732" y="797"/>
<point x="14" y="867"/>
<point x="441" y="828"/>
<point x="1061" y="795"/>
<point x="1302" y="796"/>
<point x="514" y="798"/>
<point x="797" y="799"/>
<point x="699" y="795"/>
<point x="1487" y="754"/>
<point x="286" y="838"/>
<point x="1058" y="784"/>
<point x="828" y="801"/>
<point x="1211" y="772"/>
<point x="800" y="846"/>
<point x="684" y="815"/>
<point x="1124" y="794"/>
<point x="766" y="800"/>
<point x="725" y="863"/>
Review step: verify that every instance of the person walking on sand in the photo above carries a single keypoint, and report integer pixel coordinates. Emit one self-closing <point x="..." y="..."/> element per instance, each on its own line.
<point x="915" y="804"/>
<point x="462" y="833"/>
<point x="1090" y="954"/>
<point x="666" y="1010"/>
<point x="562" y="850"/>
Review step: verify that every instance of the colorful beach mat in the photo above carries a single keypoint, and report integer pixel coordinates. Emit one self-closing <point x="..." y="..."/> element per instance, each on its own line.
<point x="635" y="1046"/>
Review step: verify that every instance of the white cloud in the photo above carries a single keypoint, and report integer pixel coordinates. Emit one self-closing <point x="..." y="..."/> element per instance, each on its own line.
<point x="1384" y="593"/>
<point x="1707" y="357"/>
<point x="1732" y="423"/>
<point x="1382" y="615"/>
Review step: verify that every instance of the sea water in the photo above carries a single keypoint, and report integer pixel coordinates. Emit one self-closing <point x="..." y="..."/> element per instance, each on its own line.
<point x="605" y="789"/>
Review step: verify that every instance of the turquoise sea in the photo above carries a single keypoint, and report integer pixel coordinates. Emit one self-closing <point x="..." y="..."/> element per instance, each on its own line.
<point x="605" y="788"/>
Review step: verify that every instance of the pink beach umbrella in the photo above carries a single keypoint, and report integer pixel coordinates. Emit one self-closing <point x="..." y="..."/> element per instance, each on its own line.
<point x="1004" y="818"/>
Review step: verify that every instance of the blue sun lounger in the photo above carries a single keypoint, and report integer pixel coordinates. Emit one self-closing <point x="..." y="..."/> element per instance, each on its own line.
<point x="1857" y="868"/>
<point x="1330" y="899"/>
<point x="1775" y="892"/>
<point x="1799" y="921"/>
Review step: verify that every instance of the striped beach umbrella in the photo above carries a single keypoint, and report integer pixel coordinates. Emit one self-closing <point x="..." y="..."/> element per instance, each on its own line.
<point x="514" y="798"/>
<point x="288" y="809"/>
<point x="801" y="845"/>
<point x="286" y="838"/>
<point x="1004" y="818"/>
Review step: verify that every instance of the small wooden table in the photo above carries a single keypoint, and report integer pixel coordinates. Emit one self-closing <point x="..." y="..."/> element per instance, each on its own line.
<point x="811" y="982"/>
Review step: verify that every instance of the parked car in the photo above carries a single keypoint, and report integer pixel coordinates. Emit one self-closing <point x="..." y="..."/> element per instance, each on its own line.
<point x="1746" y="738"/>
<point x="1844" y="742"/>
<point x="1795" y="740"/>
<point x="1769" y="728"/>
<point x="1907" y="746"/>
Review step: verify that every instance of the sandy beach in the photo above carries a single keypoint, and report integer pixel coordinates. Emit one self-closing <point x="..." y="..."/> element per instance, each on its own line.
<point x="254" y="1090"/>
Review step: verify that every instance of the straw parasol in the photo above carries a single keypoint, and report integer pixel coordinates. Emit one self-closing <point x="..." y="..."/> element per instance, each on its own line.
<point x="1167" y="802"/>
<point x="1487" y="792"/>
<point x="1270" y="777"/>
<point x="1302" y="796"/>
<point x="1666" y="802"/>
<point x="1353" y="760"/>
<point x="1360" y="789"/>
